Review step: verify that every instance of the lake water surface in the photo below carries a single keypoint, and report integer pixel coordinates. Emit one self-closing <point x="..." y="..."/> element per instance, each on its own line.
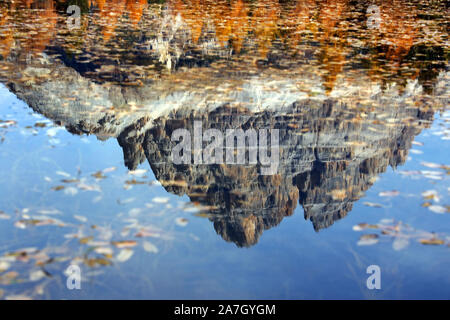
<point x="356" y="90"/>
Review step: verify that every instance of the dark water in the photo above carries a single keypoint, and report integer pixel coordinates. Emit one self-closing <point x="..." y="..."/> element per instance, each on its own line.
<point x="359" y="98"/>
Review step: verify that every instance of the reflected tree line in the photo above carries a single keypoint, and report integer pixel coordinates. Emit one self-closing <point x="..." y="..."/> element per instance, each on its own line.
<point x="408" y="42"/>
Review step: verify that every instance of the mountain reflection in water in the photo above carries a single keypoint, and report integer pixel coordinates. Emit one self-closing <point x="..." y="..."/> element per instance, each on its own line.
<point x="348" y="100"/>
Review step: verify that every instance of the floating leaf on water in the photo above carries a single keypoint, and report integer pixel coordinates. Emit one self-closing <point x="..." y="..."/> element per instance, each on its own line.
<point x="124" y="244"/>
<point x="49" y="211"/>
<point x="53" y="131"/>
<point x="433" y="241"/>
<point x="145" y="233"/>
<point x="160" y="199"/>
<point x="368" y="239"/>
<point x="98" y="175"/>
<point x="71" y="235"/>
<point x="4" y="265"/>
<point x="97" y="199"/>
<point x="18" y="297"/>
<point x="363" y="226"/>
<point x="430" y="194"/>
<point x="8" y="277"/>
<point x="125" y="232"/>
<point x="400" y="243"/>
<point x="128" y="200"/>
<point x="433" y="177"/>
<point x="70" y="180"/>
<point x="38" y="222"/>
<point x="80" y="218"/>
<point x="86" y="240"/>
<point x="134" y="182"/>
<point x="58" y="188"/>
<point x="94" y="262"/>
<point x="4" y="216"/>
<point x="37" y="275"/>
<point x="134" y="212"/>
<point x="137" y="172"/>
<point x="7" y="123"/>
<point x="62" y="173"/>
<point x="124" y="255"/>
<point x="87" y="187"/>
<point x="106" y="251"/>
<point x="392" y="193"/>
<point x="373" y="204"/>
<point x="71" y="191"/>
<point x="150" y="247"/>
<point x="39" y="289"/>
<point x="20" y="225"/>
<point x="182" y="222"/>
<point x="437" y="209"/>
<point x="110" y="169"/>
<point x="40" y="124"/>
<point x="431" y="165"/>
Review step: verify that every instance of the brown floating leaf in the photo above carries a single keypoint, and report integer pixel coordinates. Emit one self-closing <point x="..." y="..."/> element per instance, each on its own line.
<point x="94" y="262"/>
<point x="134" y="182"/>
<point x="86" y="240"/>
<point x="124" y="244"/>
<point x="70" y="180"/>
<point x="362" y="226"/>
<point x="98" y="175"/>
<point x="392" y="193"/>
<point x="434" y="241"/>
<point x="58" y="188"/>
<point x="368" y="239"/>
<point x="373" y="204"/>
<point x="146" y="233"/>
<point x="182" y="222"/>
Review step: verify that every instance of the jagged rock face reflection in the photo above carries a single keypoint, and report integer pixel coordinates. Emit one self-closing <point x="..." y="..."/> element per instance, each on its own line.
<point x="328" y="158"/>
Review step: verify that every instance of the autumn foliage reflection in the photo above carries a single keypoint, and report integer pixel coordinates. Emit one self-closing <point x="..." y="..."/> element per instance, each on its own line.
<point x="256" y="28"/>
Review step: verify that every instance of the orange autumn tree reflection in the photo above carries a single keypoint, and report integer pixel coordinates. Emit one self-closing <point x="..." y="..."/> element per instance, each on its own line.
<point x="7" y="33"/>
<point x="265" y="28"/>
<point x="37" y="32"/>
<point x="193" y="13"/>
<point x="265" y="24"/>
<point x="298" y="20"/>
<point x="333" y="41"/>
<point x="396" y="35"/>
<point x="399" y="27"/>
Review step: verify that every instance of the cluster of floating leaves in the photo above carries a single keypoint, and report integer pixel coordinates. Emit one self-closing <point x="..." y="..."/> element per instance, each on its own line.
<point x="399" y="233"/>
<point x="86" y="244"/>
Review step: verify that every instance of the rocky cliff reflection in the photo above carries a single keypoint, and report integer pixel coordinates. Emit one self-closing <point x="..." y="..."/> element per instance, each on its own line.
<point x="330" y="153"/>
<point x="339" y="127"/>
<point x="328" y="158"/>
